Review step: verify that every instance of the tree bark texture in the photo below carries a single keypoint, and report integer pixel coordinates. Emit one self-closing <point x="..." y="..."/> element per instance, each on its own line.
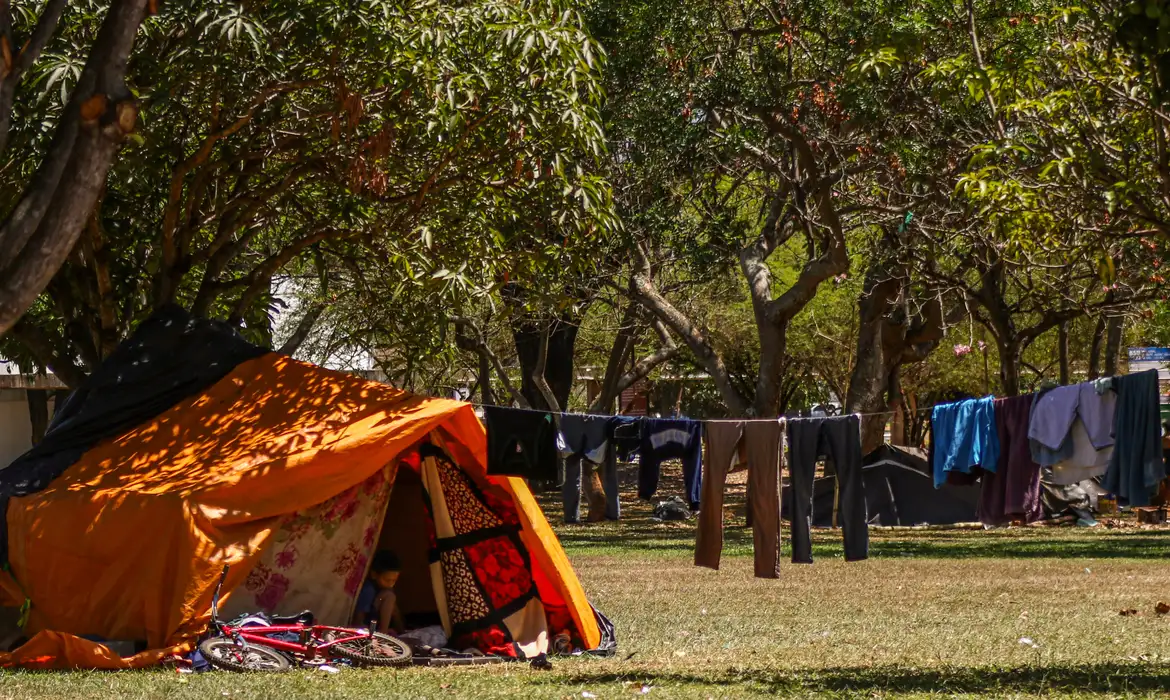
<point x="890" y="335"/>
<point x="561" y="332"/>
<point x="1062" y="351"/>
<point x="38" y="412"/>
<point x="1095" y="348"/>
<point x="43" y="227"/>
<point x="1113" y="335"/>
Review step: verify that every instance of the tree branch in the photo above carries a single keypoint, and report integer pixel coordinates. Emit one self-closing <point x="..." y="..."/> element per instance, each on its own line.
<point x="303" y="329"/>
<point x="479" y="345"/>
<point x="44" y="225"/>
<point x="705" y="354"/>
<point x="260" y="279"/>
<point x="13" y="63"/>
<point x="38" y="343"/>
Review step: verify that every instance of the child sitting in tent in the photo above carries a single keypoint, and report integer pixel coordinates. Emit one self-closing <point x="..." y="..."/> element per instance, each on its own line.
<point x="377" y="601"/>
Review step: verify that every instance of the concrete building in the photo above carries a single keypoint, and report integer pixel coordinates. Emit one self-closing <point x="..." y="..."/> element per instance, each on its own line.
<point x="16" y="423"/>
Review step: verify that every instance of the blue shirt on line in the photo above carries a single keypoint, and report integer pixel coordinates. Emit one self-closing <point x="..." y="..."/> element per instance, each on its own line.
<point x="964" y="437"/>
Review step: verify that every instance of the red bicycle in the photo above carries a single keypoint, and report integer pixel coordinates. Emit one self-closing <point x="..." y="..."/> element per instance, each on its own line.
<point x="271" y="647"/>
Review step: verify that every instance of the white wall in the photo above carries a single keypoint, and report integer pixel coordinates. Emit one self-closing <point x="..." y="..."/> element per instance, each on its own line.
<point x="15" y="426"/>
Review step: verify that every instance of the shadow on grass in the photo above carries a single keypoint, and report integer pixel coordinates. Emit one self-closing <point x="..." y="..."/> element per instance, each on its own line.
<point x="1060" y="543"/>
<point x="1082" y="678"/>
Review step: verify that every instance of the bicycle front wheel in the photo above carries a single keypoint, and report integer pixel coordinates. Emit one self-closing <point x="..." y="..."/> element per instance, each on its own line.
<point x="374" y="650"/>
<point x="225" y="653"/>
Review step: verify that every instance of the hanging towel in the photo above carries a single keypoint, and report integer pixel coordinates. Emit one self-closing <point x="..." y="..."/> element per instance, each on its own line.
<point x="963" y="437"/>
<point x="838" y="439"/>
<point x="1055" y="415"/>
<point x="521" y="443"/>
<point x="671" y="438"/>
<point x="1096" y="407"/>
<point x="1136" y="466"/>
<point x="1052" y="415"/>
<point x="1085" y="462"/>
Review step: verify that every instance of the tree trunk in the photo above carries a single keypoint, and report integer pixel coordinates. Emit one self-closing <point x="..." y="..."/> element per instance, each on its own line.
<point x="619" y="356"/>
<point x="898" y="406"/>
<point x="1062" y="349"/>
<point x="485" y="381"/>
<point x="881" y="342"/>
<point x="773" y="342"/>
<point x="1113" y="329"/>
<point x="869" y="382"/>
<point x="1095" y="348"/>
<point x="1009" y="366"/>
<point x="559" y="362"/>
<point x="38" y="412"/>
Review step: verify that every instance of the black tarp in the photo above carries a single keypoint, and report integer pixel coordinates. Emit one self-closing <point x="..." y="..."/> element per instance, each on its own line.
<point x="899" y="490"/>
<point x="169" y="357"/>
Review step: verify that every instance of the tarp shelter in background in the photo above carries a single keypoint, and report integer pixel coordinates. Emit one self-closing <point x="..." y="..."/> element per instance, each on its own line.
<point x="899" y="490"/>
<point x="118" y="524"/>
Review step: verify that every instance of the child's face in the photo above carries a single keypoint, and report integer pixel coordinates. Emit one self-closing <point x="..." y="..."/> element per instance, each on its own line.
<point x="386" y="579"/>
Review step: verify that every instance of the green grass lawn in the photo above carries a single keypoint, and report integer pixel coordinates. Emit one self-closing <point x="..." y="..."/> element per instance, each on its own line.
<point x="931" y="613"/>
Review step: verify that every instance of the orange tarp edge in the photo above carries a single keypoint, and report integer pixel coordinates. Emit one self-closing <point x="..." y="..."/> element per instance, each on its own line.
<point x="59" y="651"/>
<point x="547" y="553"/>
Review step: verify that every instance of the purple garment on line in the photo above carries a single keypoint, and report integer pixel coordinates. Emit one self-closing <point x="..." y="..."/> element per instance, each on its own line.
<point x="1013" y="490"/>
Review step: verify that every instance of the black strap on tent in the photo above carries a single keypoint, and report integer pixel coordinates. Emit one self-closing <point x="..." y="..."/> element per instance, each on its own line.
<point x="170" y="357"/>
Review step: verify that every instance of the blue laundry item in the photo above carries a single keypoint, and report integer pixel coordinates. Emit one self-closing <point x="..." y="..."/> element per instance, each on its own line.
<point x="963" y="438"/>
<point x="1046" y="457"/>
<point x="1097" y="409"/>
<point x="625" y="436"/>
<point x="671" y="438"/>
<point x="1053" y="414"/>
<point x="1137" y="464"/>
<point x="1056" y="410"/>
<point x="582" y="438"/>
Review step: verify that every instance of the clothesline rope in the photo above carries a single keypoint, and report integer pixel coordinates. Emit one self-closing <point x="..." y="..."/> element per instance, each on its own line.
<point x="704" y="420"/>
<point x="914" y="411"/>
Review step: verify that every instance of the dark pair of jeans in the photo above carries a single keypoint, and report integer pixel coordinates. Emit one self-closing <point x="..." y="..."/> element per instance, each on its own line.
<point x="838" y="439"/>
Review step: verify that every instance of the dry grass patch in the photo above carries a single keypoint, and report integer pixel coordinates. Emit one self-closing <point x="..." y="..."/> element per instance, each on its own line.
<point x="1014" y="613"/>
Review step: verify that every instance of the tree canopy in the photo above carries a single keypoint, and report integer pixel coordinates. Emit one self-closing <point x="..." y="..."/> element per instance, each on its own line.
<point x="873" y="204"/>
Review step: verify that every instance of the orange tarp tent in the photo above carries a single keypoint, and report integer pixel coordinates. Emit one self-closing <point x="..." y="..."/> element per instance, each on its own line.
<point x="129" y="541"/>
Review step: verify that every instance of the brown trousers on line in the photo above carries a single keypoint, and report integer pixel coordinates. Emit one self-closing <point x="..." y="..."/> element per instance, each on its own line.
<point x="763" y="443"/>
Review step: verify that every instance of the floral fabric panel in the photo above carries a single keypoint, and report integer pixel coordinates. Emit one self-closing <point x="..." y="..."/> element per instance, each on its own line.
<point x="319" y="558"/>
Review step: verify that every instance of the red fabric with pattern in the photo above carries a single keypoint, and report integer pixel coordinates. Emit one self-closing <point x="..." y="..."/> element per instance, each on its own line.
<point x="493" y="639"/>
<point x="488" y="574"/>
<point x="501" y="570"/>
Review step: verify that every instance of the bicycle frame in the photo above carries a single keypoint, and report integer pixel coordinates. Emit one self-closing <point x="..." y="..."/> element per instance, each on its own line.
<point x="308" y="647"/>
<point x="310" y="644"/>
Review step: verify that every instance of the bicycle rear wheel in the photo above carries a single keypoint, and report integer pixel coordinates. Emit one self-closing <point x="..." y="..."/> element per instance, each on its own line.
<point x="376" y="650"/>
<point x="225" y="653"/>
